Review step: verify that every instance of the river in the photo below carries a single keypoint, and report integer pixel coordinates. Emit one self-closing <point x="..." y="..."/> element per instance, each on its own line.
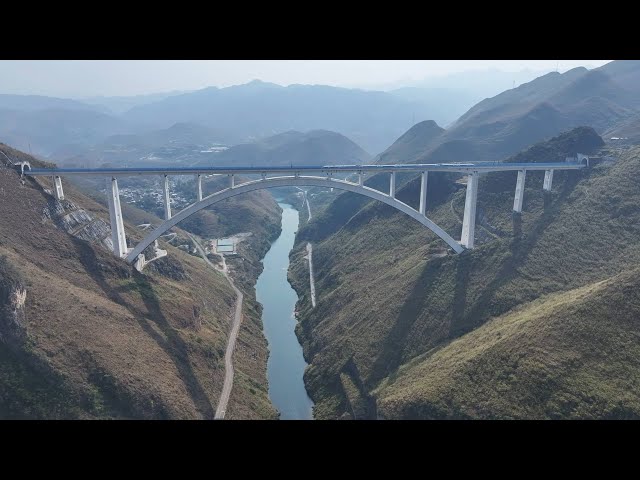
<point x="286" y="364"/>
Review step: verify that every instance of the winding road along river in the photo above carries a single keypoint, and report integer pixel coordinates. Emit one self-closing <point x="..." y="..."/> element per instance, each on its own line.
<point x="286" y="364"/>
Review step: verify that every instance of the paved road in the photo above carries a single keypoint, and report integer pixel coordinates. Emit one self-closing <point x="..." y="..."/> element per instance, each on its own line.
<point x="311" y="282"/>
<point x="233" y="336"/>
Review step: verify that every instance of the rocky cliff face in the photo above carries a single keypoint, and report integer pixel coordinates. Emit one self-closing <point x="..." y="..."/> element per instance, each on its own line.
<point x="78" y="222"/>
<point x="13" y="294"/>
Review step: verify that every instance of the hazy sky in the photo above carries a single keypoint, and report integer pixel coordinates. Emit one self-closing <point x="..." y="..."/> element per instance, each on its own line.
<point x="79" y="78"/>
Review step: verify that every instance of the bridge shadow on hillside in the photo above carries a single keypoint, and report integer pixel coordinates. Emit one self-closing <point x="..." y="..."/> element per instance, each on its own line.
<point x="174" y="346"/>
<point x="392" y="349"/>
<point x="465" y="316"/>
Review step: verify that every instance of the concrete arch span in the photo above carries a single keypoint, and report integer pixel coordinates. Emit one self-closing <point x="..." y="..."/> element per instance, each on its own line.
<point x="291" y="181"/>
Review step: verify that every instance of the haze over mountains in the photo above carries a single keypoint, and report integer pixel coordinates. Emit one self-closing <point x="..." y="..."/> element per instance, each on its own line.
<point x="237" y="114"/>
<point x="602" y="98"/>
<point x="539" y="320"/>
<point x="373" y="120"/>
<point x="317" y="147"/>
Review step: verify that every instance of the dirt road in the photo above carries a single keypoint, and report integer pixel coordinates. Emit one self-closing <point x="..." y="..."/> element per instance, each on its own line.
<point x="233" y="336"/>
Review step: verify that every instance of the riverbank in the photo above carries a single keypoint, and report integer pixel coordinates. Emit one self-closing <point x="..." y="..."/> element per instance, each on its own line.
<point x="286" y="364"/>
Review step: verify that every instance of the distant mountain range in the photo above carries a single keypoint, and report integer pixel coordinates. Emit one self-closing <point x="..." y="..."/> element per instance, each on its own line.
<point x="118" y="105"/>
<point x="39" y="102"/>
<point x="238" y="114"/>
<point x="317" y="147"/>
<point x="189" y="144"/>
<point x="495" y="127"/>
<point x="42" y="131"/>
<point x="180" y="144"/>
<point x="449" y="96"/>
<point x="603" y="98"/>
<point x="258" y="109"/>
<point x="478" y="83"/>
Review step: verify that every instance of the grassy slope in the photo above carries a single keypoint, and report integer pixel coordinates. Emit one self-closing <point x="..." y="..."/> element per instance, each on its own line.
<point x="105" y="341"/>
<point x="565" y="355"/>
<point x="384" y="298"/>
<point x="257" y="213"/>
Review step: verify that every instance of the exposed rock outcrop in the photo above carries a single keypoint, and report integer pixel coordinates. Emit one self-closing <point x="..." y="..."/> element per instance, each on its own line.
<point x="78" y="222"/>
<point x="13" y="294"/>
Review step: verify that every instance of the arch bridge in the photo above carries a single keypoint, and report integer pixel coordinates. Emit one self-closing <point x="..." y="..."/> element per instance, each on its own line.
<point x="309" y="176"/>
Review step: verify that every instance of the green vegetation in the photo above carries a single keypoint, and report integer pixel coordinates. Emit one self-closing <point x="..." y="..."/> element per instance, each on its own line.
<point x="566" y="355"/>
<point x="388" y="298"/>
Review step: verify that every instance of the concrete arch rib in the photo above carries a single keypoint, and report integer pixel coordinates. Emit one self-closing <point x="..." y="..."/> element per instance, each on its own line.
<point x="300" y="181"/>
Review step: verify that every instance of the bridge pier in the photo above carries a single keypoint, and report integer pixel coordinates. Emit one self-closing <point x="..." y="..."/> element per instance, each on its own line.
<point x="360" y="179"/>
<point x="167" y="198"/>
<point x="199" y="186"/>
<point x="423" y="192"/>
<point x="548" y="180"/>
<point x="519" y="197"/>
<point x="392" y="185"/>
<point x="469" y="219"/>
<point x="118" y="236"/>
<point x="232" y="180"/>
<point x="57" y="188"/>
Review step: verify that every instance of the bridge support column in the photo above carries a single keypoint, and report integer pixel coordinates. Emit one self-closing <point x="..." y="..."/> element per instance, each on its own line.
<point x="199" y="186"/>
<point x="118" y="236"/>
<point x="360" y="179"/>
<point x="469" y="220"/>
<point x="57" y="188"/>
<point x="548" y="180"/>
<point x="423" y="192"/>
<point x="392" y="185"/>
<point x="519" y="197"/>
<point x="232" y="180"/>
<point x="167" y="198"/>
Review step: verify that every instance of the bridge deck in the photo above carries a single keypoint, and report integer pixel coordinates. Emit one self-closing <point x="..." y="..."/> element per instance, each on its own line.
<point x="325" y="169"/>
